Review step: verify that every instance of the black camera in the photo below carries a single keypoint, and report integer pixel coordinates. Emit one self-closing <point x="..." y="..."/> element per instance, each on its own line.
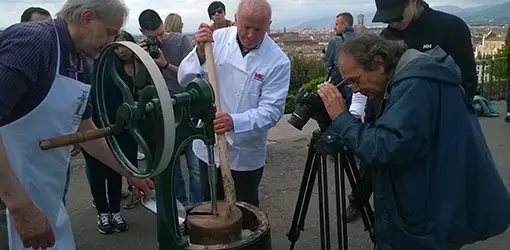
<point x="153" y="46"/>
<point x="309" y="105"/>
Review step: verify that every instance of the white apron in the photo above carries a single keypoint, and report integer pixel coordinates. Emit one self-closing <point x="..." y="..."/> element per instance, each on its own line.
<point x="43" y="173"/>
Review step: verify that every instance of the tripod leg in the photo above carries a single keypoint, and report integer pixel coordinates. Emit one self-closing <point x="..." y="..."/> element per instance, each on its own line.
<point x="324" y="206"/>
<point x="339" y="214"/>
<point x="344" y="243"/>
<point x="364" y="205"/>
<point x="304" y="196"/>
<point x="323" y="203"/>
<point x="357" y="179"/>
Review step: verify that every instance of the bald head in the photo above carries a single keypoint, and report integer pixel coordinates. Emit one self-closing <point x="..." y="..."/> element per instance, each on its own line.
<point x="255" y="8"/>
<point x="253" y="18"/>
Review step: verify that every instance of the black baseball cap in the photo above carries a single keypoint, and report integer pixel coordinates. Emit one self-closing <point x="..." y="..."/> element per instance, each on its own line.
<point x="389" y="10"/>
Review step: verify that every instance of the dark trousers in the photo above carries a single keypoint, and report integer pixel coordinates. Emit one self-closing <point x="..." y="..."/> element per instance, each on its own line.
<point x="246" y="184"/>
<point x="366" y="184"/>
<point x="4" y="237"/>
<point x="508" y="99"/>
<point x="98" y="175"/>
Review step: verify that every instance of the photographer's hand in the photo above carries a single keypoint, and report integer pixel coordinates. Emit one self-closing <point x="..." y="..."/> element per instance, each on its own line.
<point x="332" y="98"/>
<point x="160" y="60"/>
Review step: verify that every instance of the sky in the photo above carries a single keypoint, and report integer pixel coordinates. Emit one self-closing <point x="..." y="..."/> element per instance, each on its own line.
<point x="288" y="13"/>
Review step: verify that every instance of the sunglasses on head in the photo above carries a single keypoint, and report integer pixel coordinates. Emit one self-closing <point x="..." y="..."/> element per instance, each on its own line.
<point x="214" y="12"/>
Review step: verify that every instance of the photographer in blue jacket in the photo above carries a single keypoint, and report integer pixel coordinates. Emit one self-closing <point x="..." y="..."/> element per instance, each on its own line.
<point x="435" y="182"/>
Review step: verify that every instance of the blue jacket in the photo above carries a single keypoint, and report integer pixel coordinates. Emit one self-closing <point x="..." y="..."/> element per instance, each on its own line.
<point x="435" y="182"/>
<point x="330" y="59"/>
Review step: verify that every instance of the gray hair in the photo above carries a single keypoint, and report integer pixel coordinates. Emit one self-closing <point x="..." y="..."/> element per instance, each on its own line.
<point x="364" y="47"/>
<point x="104" y="9"/>
<point x="255" y="6"/>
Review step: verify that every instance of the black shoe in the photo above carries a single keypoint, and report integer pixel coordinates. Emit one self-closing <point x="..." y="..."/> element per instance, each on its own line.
<point x="119" y="223"/>
<point x="104" y="224"/>
<point x="507" y="118"/>
<point x="352" y="213"/>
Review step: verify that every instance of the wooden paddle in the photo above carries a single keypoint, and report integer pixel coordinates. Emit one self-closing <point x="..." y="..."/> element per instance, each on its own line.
<point x="226" y="174"/>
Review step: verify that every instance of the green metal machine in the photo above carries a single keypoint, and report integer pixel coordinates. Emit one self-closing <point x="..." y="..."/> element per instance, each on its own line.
<point x="163" y="125"/>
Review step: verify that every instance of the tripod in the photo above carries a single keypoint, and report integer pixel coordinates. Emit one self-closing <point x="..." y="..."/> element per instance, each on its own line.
<point x="344" y="164"/>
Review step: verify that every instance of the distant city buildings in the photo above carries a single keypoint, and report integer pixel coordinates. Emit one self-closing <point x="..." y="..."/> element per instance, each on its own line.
<point x="490" y="45"/>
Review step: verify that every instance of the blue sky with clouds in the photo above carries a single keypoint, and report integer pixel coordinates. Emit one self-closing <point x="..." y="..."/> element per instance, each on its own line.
<point x="285" y="12"/>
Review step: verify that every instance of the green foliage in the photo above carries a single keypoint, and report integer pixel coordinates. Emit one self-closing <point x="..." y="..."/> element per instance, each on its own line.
<point x="498" y="65"/>
<point x="291" y="98"/>
<point x="303" y="70"/>
<point x="315" y="82"/>
<point x="290" y="103"/>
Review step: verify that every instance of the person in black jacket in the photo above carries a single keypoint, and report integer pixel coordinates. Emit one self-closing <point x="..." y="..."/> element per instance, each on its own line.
<point x="421" y="28"/>
<point x="424" y="28"/>
<point x="107" y="198"/>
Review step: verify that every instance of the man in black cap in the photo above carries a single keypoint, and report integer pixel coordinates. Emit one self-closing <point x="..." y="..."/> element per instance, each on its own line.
<point x="217" y="12"/>
<point x="422" y="28"/>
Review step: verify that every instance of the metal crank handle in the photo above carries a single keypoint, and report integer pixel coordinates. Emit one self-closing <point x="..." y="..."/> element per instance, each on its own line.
<point x="213" y="178"/>
<point x="71" y="139"/>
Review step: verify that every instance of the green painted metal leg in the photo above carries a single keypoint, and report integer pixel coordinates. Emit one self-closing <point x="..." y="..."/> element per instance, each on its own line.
<point x="169" y="237"/>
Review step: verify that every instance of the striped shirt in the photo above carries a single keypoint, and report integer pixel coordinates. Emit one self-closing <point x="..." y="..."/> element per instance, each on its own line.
<point x="28" y="61"/>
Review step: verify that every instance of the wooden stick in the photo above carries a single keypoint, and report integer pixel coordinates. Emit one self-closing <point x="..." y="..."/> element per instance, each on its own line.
<point x="71" y="139"/>
<point x="226" y="174"/>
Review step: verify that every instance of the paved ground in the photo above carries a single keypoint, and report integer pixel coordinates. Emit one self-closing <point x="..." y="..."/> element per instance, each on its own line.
<point x="280" y="185"/>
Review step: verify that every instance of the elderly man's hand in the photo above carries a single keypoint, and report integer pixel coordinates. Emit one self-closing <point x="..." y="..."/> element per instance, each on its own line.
<point x="332" y="98"/>
<point x="203" y="35"/>
<point x="143" y="186"/>
<point x="223" y="123"/>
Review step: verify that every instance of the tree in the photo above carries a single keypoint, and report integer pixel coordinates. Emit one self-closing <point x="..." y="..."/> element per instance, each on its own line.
<point x="303" y="70"/>
<point x="498" y="65"/>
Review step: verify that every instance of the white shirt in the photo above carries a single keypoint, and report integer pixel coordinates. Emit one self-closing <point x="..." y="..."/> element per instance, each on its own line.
<point x="252" y="89"/>
<point x="358" y="104"/>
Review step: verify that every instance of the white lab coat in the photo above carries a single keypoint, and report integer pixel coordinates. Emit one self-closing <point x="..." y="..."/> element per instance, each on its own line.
<point x="252" y="89"/>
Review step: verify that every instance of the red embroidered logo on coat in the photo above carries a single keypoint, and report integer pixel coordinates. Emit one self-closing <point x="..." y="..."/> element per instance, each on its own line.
<point x="259" y="77"/>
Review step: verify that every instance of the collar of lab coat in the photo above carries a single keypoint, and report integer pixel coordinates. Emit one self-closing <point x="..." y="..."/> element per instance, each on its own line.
<point x="235" y="56"/>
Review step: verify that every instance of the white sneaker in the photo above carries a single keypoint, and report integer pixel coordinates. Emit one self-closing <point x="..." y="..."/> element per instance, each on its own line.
<point x="140" y="156"/>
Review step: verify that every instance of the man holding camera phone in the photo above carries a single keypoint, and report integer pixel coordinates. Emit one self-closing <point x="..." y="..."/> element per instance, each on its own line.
<point x="168" y="49"/>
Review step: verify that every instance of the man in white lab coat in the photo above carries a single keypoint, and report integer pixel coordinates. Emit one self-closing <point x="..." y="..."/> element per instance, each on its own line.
<point x="253" y="76"/>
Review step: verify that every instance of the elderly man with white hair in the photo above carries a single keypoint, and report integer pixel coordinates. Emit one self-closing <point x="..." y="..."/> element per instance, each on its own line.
<point x="253" y="76"/>
<point x="43" y="93"/>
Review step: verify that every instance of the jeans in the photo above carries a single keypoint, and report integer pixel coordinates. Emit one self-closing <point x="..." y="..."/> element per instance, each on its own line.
<point x="195" y="188"/>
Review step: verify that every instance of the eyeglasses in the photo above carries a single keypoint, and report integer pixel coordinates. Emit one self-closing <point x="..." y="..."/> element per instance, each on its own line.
<point x="349" y="82"/>
<point x="217" y="11"/>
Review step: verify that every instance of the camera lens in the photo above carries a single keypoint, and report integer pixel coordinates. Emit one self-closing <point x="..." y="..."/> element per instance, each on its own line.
<point x="154" y="53"/>
<point x="296" y="121"/>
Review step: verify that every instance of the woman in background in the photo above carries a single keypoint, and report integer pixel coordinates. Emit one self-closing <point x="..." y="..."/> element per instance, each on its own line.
<point x="173" y="24"/>
<point x="107" y="197"/>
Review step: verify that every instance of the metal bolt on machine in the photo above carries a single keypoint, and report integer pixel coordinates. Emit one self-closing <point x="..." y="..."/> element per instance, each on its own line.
<point x="163" y="125"/>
